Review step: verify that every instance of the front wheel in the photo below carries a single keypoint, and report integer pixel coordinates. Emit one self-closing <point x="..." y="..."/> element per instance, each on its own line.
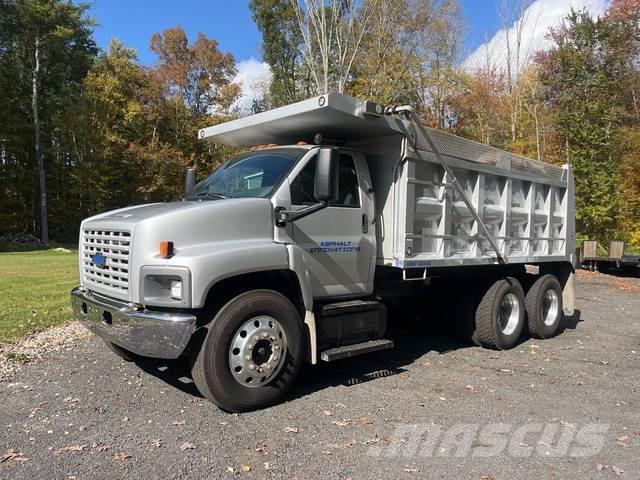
<point x="251" y="353"/>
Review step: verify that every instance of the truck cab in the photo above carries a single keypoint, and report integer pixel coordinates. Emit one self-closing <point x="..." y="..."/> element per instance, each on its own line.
<point x="297" y="250"/>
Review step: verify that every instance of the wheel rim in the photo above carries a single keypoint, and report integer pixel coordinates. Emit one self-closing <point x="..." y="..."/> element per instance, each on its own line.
<point x="509" y="314"/>
<point x="257" y="351"/>
<point x="550" y="307"/>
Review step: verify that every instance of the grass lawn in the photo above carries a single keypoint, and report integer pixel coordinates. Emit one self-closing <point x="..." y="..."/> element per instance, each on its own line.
<point x="34" y="290"/>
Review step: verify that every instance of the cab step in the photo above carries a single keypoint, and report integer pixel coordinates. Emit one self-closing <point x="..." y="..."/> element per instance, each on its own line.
<point x="347" y="351"/>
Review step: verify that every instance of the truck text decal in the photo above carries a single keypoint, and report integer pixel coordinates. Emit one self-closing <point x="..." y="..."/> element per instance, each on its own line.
<point x="335" y="247"/>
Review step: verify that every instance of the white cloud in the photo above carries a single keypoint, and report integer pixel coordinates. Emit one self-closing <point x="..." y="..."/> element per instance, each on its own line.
<point x="539" y="17"/>
<point x="253" y="77"/>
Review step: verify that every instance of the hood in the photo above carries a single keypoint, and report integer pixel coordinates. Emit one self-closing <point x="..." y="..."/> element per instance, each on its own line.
<point x="190" y="222"/>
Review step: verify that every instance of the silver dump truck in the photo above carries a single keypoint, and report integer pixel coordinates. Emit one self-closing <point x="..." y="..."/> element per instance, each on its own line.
<point x="342" y="217"/>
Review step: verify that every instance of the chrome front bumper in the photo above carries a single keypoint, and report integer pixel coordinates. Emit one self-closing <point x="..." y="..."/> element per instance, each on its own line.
<point x="145" y="332"/>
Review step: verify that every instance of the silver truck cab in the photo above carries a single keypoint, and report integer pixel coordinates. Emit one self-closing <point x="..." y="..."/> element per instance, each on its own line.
<point x="293" y="253"/>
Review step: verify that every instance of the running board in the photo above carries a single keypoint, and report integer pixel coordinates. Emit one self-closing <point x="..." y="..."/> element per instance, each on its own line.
<point x="347" y="351"/>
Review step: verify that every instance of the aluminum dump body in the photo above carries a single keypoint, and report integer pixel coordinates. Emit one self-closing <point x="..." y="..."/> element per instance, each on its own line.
<point x="422" y="219"/>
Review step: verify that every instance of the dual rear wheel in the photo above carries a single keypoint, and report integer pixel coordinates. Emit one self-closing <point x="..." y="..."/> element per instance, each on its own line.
<point x="498" y="318"/>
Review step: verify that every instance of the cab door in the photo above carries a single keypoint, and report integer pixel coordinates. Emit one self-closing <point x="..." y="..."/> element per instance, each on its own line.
<point x="338" y="241"/>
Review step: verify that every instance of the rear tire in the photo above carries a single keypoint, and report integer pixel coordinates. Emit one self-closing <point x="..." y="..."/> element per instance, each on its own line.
<point x="544" y="307"/>
<point x="500" y="317"/>
<point x="218" y="369"/>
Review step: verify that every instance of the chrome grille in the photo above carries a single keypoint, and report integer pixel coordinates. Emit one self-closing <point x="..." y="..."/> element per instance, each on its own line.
<point x="113" y="276"/>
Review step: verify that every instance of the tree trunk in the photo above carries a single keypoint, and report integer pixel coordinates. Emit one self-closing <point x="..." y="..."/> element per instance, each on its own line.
<point x="44" y="224"/>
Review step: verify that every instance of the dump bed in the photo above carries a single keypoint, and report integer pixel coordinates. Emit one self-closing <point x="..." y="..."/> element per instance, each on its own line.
<point x="422" y="217"/>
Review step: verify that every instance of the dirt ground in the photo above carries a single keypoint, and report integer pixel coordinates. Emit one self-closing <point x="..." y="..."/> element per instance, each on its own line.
<point x="567" y="407"/>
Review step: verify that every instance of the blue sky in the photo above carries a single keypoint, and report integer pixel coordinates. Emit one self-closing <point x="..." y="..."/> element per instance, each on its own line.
<point x="228" y="21"/>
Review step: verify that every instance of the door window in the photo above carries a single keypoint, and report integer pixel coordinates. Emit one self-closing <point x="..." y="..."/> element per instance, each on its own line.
<point x="302" y="187"/>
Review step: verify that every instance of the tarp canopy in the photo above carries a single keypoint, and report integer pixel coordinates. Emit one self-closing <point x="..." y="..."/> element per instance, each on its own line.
<point x="334" y="116"/>
<point x="342" y="119"/>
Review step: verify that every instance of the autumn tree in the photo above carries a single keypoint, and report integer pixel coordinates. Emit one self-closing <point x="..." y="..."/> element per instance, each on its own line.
<point x="582" y="82"/>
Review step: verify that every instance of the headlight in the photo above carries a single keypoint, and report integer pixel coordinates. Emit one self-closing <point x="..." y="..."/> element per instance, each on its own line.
<point x="165" y="286"/>
<point x="176" y="289"/>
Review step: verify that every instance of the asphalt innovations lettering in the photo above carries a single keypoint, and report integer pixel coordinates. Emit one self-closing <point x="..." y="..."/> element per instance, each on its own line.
<point x="338" y="246"/>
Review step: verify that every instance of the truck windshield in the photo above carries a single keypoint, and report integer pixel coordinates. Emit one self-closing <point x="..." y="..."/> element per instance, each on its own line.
<point x="254" y="174"/>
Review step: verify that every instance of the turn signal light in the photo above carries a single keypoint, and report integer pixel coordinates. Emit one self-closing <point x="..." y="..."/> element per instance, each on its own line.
<point x="166" y="249"/>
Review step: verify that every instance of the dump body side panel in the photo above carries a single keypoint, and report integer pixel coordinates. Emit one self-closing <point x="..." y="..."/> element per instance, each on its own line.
<point x="529" y="215"/>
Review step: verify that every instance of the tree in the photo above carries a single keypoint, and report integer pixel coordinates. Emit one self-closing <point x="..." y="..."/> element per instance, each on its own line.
<point x="584" y="85"/>
<point x="281" y="42"/>
<point x="332" y="32"/>
<point x="200" y="73"/>
<point x="50" y="44"/>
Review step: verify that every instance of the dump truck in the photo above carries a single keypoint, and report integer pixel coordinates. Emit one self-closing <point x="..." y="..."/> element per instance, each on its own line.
<point x="341" y="217"/>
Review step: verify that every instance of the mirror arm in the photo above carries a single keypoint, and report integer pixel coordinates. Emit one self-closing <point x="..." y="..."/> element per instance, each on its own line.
<point x="284" y="216"/>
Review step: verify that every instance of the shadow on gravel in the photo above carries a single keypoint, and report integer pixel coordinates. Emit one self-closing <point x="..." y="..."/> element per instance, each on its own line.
<point x="173" y="372"/>
<point x="411" y="342"/>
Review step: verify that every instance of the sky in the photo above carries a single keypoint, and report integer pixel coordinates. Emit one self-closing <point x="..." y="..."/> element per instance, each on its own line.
<point x="230" y="23"/>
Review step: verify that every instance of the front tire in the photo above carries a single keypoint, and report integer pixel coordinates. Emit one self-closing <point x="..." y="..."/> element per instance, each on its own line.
<point x="544" y="307"/>
<point x="251" y="353"/>
<point x="500" y="316"/>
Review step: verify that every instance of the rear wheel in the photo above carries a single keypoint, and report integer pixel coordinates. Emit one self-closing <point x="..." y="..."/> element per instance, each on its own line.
<point x="544" y="307"/>
<point x="251" y="353"/>
<point x="500" y="315"/>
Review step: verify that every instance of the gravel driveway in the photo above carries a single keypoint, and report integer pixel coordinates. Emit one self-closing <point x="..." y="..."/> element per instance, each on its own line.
<point x="567" y="407"/>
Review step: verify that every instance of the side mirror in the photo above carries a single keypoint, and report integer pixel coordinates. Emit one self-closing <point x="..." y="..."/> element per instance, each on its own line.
<point x="326" y="184"/>
<point x="189" y="180"/>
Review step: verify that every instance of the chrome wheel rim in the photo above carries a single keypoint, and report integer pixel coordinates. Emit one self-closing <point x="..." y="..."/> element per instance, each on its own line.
<point x="257" y="351"/>
<point x="509" y="314"/>
<point x="550" y="307"/>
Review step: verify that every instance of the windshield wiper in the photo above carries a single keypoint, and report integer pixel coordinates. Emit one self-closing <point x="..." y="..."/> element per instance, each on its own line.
<point x="211" y="194"/>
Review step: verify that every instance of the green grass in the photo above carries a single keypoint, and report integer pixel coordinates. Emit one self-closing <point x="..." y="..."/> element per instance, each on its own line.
<point x="34" y="290"/>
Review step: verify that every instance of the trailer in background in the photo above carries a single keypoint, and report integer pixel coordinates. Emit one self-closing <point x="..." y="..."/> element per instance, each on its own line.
<point x="615" y="258"/>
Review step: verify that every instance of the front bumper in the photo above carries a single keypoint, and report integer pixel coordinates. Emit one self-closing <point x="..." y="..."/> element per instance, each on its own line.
<point x="148" y="333"/>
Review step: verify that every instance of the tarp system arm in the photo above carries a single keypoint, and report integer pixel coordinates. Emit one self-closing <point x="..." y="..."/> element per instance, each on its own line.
<point x="408" y="111"/>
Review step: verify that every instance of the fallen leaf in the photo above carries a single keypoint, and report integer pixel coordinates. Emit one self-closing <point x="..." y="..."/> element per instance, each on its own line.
<point x="103" y="448"/>
<point x="13" y="454"/>
<point x="187" y="446"/>
<point x="344" y="445"/>
<point x="290" y="429"/>
<point x="120" y="456"/>
<point x="70" y="448"/>
<point x="617" y="470"/>
<point x="349" y="421"/>
<point x="622" y="441"/>
<point x="245" y="468"/>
